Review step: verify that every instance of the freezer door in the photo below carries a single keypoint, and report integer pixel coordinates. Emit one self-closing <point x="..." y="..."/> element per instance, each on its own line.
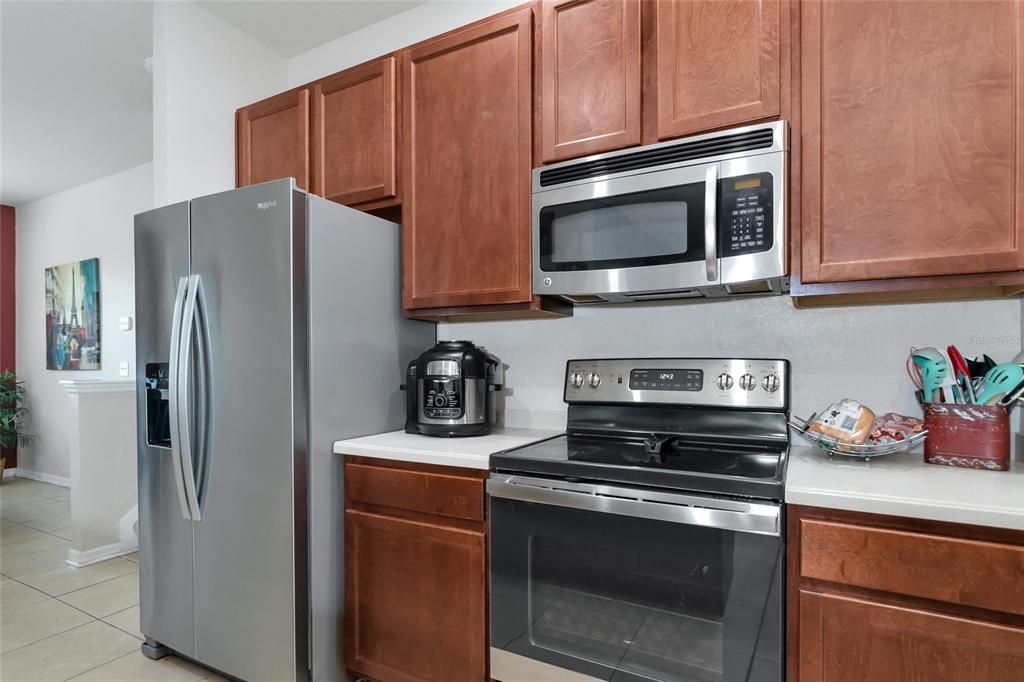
<point x="165" y="533"/>
<point x="248" y="255"/>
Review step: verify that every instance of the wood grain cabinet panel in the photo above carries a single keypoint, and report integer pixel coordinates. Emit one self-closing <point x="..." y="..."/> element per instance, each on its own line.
<point x="466" y="195"/>
<point x="718" y="63"/>
<point x="912" y="156"/>
<point x="590" y="77"/>
<point x="442" y="494"/>
<point x="273" y="140"/>
<point x="844" y="639"/>
<point x="355" y="145"/>
<point x="987" y="575"/>
<point x="415" y="600"/>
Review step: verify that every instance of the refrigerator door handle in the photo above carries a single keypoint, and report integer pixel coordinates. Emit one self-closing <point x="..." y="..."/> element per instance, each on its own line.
<point x="175" y="390"/>
<point x="203" y="396"/>
<point x="184" y="377"/>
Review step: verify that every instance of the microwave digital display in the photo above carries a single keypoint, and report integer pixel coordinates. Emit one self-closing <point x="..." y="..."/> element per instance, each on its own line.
<point x="750" y="183"/>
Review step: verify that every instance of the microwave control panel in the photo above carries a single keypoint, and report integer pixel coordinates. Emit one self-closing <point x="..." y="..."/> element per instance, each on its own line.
<point x="746" y="214"/>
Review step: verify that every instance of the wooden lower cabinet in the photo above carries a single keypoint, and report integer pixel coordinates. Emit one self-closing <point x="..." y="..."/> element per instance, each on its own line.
<point x="844" y="639"/>
<point x="415" y="578"/>
<point x="875" y="597"/>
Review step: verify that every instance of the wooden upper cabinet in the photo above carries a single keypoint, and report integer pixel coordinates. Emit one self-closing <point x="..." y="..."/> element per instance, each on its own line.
<point x="718" y="63"/>
<point x="355" y="145"/>
<point x="590" y="77"/>
<point x="467" y="149"/>
<point x="272" y="140"/>
<point x="912" y="128"/>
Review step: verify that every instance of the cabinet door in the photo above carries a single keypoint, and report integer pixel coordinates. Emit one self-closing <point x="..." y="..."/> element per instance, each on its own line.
<point x="272" y="140"/>
<point x="912" y="161"/>
<point x="415" y="600"/>
<point x="355" y="150"/>
<point x="853" y="640"/>
<point x="466" y="208"/>
<point x="590" y="77"/>
<point x="718" y="63"/>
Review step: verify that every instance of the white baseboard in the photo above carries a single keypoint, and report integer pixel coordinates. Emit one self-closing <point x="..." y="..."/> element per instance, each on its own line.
<point x="127" y="531"/>
<point x="18" y="472"/>
<point x="78" y="559"/>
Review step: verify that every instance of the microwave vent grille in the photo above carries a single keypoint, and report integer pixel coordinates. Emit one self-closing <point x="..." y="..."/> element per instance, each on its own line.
<point x="761" y="138"/>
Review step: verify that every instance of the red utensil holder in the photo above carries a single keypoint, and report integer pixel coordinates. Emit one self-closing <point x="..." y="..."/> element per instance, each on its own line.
<point x="969" y="436"/>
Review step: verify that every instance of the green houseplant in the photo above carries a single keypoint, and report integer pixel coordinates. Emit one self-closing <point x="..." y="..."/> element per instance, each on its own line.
<point x="12" y="413"/>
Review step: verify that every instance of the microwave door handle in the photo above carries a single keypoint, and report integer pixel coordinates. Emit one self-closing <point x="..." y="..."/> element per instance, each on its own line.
<point x="711" y="222"/>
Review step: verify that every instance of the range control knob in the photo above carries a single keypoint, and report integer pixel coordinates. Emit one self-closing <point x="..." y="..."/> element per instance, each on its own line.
<point x="576" y="379"/>
<point x="724" y="381"/>
<point x="594" y="379"/>
<point x="748" y="382"/>
<point x="770" y="383"/>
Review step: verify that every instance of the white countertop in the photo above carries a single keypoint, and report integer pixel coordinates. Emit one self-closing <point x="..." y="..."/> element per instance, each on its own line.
<point x="904" y="485"/>
<point x="473" y="452"/>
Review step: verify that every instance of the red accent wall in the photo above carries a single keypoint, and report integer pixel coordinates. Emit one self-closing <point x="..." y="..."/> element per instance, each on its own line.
<point x="7" y="304"/>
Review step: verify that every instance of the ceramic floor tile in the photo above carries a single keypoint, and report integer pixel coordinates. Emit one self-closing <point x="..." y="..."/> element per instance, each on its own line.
<point x="107" y="597"/>
<point x="14" y="595"/>
<point x="18" y="544"/>
<point x="34" y="622"/>
<point x="30" y="509"/>
<point x="50" y="524"/>
<point x="59" y="581"/>
<point x="63" y="532"/>
<point x="33" y="563"/>
<point x="135" y="667"/>
<point x="54" y="492"/>
<point x="67" y="654"/>
<point x="127" y="620"/>
<point x="133" y="557"/>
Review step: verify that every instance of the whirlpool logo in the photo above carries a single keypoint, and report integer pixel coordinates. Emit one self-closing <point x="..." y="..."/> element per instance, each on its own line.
<point x="264" y="205"/>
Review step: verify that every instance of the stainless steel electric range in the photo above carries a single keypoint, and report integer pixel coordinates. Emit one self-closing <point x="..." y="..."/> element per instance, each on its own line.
<point x="647" y="542"/>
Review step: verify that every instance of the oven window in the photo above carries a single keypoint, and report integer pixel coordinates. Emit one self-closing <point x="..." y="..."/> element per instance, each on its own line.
<point x="622" y="598"/>
<point x="654" y="227"/>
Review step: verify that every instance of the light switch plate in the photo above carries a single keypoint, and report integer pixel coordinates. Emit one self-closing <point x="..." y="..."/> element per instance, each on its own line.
<point x="125" y="323"/>
<point x="124" y="368"/>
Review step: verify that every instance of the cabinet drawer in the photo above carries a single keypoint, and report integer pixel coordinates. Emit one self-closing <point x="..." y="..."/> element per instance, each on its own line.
<point x="428" y="492"/>
<point x="986" y="575"/>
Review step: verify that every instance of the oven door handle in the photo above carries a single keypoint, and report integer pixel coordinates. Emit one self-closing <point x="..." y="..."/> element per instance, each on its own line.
<point x="743" y="517"/>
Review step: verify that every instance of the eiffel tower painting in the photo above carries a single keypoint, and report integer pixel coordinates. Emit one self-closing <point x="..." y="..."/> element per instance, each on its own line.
<point x="73" y="316"/>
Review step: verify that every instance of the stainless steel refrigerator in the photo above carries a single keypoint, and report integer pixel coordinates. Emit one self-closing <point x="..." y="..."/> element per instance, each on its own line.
<point x="269" y="325"/>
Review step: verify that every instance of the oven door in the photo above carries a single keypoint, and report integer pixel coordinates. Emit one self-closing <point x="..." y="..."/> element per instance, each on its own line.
<point x="594" y="582"/>
<point x="647" y="232"/>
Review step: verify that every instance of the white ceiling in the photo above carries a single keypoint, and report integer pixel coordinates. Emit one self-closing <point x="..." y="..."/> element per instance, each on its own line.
<point x="76" y="101"/>
<point x="294" y="26"/>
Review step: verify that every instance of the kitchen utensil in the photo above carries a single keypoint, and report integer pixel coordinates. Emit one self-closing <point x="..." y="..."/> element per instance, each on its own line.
<point x="1013" y="395"/>
<point x="961" y="374"/>
<point x="934" y="370"/>
<point x="998" y="381"/>
<point x="978" y="368"/>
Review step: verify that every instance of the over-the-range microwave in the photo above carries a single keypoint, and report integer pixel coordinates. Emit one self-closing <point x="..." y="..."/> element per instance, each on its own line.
<point x="699" y="217"/>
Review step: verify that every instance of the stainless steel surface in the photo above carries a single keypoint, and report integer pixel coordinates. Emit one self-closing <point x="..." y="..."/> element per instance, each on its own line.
<point x="576" y="379"/>
<point x="593" y="380"/>
<point x="745" y="517"/>
<point x="447" y="368"/>
<point x="175" y="394"/>
<point x="697" y="279"/>
<point x="185" y="395"/>
<point x="474" y="403"/>
<point x="203" y="398"/>
<point x="165" y="536"/>
<point x="358" y="350"/>
<point x="780" y="137"/>
<point x="509" y="667"/>
<point x="247" y="610"/>
<point x="724" y="381"/>
<point x="616" y="280"/>
<point x="615" y="385"/>
<point x="748" y="382"/>
<point x="770" y="383"/>
<point x="711" y="222"/>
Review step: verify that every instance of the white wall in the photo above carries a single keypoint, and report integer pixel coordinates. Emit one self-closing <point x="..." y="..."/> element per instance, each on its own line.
<point x="393" y="33"/>
<point x="95" y="220"/>
<point x="855" y="351"/>
<point x="203" y="70"/>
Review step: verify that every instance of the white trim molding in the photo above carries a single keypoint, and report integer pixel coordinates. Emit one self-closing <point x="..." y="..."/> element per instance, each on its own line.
<point x="18" y="472"/>
<point x="78" y="559"/>
<point x="80" y="386"/>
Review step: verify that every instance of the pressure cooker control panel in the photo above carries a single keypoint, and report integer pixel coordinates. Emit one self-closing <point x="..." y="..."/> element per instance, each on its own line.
<point x="442" y="398"/>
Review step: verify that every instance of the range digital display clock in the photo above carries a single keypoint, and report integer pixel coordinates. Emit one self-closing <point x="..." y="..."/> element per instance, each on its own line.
<point x="674" y="379"/>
